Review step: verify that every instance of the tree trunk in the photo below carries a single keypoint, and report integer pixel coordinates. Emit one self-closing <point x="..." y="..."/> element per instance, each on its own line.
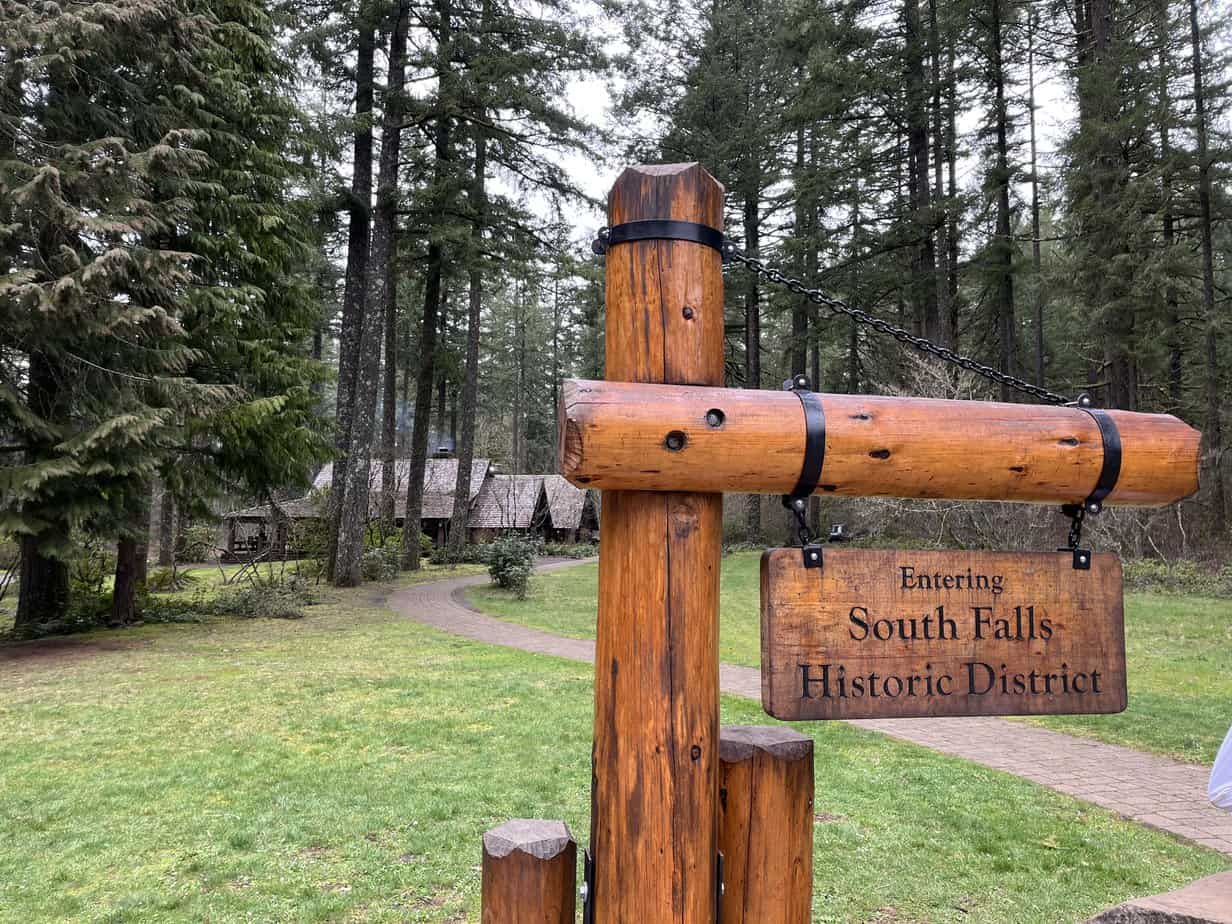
<point x="924" y="292"/>
<point x="1099" y="99"/>
<point x="951" y="224"/>
<point x="131" y="553"/>
<point x="1214" y="400"/>
<point x="389" y="403"/>
<point x="798" y="349"/>
<point x="43" y="594"/>
<point x="124" y="593"/>
<point x="944" y="310"/>
<point x="752" y="334"/>
<point x="853" y="330"/>
<point x="358" y="234"/>
<point x="1036" y="258"/>
<point x="470" y="380"/>
<point x="379" y="298"/>
<point x="442" y="380"/>
<point x="166" y="528"/>
<point x="519" y="391"/>
<point x="1172" y="310"/>
<point x="432" y="301"/>
<point x="1003" y="247"/>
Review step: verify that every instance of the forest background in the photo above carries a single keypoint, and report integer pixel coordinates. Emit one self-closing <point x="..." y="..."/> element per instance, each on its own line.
<point x="239" y="240"/>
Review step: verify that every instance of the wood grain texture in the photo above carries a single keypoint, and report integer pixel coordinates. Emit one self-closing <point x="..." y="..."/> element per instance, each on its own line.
<point x="529" y="873"/>
<point x="655" y="758"/>
<point x="613" y="436"/>
<point x="766" y="825"/>
<point x="899" y="634"/>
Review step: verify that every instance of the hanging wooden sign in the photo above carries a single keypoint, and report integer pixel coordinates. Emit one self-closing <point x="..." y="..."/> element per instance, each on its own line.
<point x="900" y="634"/>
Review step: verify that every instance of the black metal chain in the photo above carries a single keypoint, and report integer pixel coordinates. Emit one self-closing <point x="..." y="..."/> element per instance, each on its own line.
<point x="732" y="254"/>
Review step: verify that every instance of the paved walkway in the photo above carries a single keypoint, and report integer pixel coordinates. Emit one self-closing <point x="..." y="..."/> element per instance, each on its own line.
<point x="1155" y="791"/>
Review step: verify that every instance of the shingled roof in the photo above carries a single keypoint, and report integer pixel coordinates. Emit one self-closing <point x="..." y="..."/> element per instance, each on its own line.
<point x="296" y="509"/>
<point x="440" y="479"/>
<point x="507" y="502"/>
<point x="565" y="502"/>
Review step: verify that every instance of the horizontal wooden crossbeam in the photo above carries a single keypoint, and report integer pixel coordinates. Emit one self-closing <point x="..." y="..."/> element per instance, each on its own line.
<point x="642" y="437"/>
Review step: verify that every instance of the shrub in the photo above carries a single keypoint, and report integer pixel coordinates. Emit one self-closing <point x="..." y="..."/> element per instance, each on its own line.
<point x="309" y="537"/>
<point x="569" y="549"/>
<point x="471" y="554"/>
<point x="263" y="599"/>
<point x="1178" y="577"/>
<point x="169" y="580"/>
<point x="198" y="542"/>
<point x="510" y="559"/>
<point x="380" y="563"/>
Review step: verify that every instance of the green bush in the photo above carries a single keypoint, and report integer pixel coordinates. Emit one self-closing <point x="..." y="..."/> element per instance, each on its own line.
<point x="1178" y="577"/>
<point x="380" y="563"/>
<point x="198" y="542"/>
<point x="169" y="580"/>
<point x="309" y="537"/>
<point x="471" y="554"/>
<point x="510" y="560"/>
<point x="569" y="549"/>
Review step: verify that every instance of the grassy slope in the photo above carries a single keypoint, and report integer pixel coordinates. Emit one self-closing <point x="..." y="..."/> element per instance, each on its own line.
<point x="1179" y="653"/>
<point x="343" y="767"/>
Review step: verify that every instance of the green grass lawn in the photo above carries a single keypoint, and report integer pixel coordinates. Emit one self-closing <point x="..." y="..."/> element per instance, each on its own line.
<point x="1179" y="652"/>
<point x="342" y="767"/>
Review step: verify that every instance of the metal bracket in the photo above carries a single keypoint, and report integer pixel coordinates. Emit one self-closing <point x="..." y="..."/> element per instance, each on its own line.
<point x="719" y="889"/>
<point x="1110" y="471"/>
<point x="588" y="888"/>
<point x="658" y="230"/>
<point x="810" y="469"/>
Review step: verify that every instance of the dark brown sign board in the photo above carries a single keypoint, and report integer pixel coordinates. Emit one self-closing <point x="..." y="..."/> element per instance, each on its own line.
<point x="899" y="634"/>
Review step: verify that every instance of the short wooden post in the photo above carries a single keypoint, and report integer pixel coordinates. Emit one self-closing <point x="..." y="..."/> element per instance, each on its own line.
<point x="529" y="873"/>
<point x="655" y="761"/>
<point x="766" y="825"/>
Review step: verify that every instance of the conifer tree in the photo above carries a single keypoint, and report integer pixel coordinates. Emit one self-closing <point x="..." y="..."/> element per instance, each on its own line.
<point x="148" y="307"/>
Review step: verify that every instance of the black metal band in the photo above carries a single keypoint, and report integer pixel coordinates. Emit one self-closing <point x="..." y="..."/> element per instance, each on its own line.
<point x="663" y="230"/>
<point x="814" y="443"/>
<point x="1111" y="469"/>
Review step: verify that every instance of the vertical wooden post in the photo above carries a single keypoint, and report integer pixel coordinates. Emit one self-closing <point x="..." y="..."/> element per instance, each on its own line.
<point x="766" y="825"/>
<point x="529" y="873"/>
<point x="655" y="759"/>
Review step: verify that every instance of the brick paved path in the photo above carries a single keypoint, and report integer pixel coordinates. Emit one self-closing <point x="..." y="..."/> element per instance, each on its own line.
<point x="1152" y="790"/>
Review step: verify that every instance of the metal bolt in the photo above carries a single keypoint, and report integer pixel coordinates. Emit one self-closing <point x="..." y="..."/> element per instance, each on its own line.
<point x="688" y="312"/>
<point x="695" y="752"/>
<point x="798" y="503"/>
<point x="1093" y="507"/>
<point x="675" y="441"/>
<point x="1082" y="559"/>
<point x="715" y="417"/>
<point x="585" y="892"/>
<point x="812" y="556"/>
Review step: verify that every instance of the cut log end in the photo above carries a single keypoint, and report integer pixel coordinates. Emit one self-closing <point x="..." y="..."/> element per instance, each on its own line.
<point x="740" y="742"/>
<point x="543" y="840"/>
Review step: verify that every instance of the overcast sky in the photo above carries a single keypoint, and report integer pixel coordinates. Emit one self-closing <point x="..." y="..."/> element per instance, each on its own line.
<point x="590" y="99"/>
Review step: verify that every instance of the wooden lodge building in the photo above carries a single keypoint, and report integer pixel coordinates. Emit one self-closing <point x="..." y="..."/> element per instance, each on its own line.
<point x="540" y="505"/>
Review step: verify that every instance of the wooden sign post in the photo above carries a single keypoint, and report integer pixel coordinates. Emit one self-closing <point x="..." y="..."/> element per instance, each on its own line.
<point x="865" y="634"/>
<point x="900" y="634"/>
<point x="654" y="821"/>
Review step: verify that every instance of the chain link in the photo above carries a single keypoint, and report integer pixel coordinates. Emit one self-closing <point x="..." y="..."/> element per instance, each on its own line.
<point x="923" y="344"/>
